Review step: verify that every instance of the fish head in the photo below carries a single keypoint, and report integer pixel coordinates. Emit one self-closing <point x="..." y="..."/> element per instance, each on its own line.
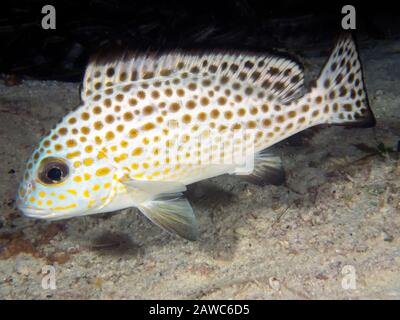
<point x="65" y="178"/>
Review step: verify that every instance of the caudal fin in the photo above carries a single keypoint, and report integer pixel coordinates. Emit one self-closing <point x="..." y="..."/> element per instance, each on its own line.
<point x="340" y="89"/>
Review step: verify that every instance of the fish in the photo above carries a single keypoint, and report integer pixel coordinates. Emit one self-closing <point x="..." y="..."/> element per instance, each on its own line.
<point x="149" y="124"/>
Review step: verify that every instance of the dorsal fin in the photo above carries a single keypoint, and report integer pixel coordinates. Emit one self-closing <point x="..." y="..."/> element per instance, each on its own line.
<point x="280" y="77"/>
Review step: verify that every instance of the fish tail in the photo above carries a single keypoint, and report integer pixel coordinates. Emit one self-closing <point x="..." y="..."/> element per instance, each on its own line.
<point x="339" y="95"/>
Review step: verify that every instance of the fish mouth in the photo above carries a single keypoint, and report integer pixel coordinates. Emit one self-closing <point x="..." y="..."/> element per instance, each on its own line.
<point x="36" y="213"/>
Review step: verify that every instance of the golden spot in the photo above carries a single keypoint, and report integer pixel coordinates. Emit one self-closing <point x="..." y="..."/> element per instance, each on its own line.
<point x="88" y="149"/>
<point x="134" y="166"/>
<point x="302" y="120"/>
<point x="186" y="118"/>
<point x="221" y="101"/>
<point x="277" y="107"/>
<point x="85" y="130"/>
<point x="61" y="197"/>
<point x="119" y="97"/>
<point x="326" y="109"/>
<point x="77" y="179"/>
<point x="42" y="194"/>
<point x="71" y="143"/>
<point x="72" y="191"/>
<point x="305" y="108"/>
<point x="49" y="202"/>
<point x="97" y="110"/>
<point x="96" y="187"/>
<point x="123" y="76"/>
<point x="291" y="114"/>
<point x="228" y="115"/>
<point x="159" y="119"/>
<point x="74" y="131"/>
<point x="347" y="107"/>
<point x="107" y="103"/>
<point x="204" y="101"/>
<point x="277" y="129"/>
<point x="146" y="140"/>
<point x="192" y="86"/>
<point x="46" y="143"/>
<point x="86" y="194"/>
<point x="248" y="91"/>
<point x="133" y="133"/>
<point x="132" y="102"/>
<point x="190" y="104"/>
<point x="77" y="164"/>
<point x="110" y="135"/>
<point x="110" y="72"/>
<point x="251" y="124"/>
<point x="174" y="107"/>
<point x="202" y="116"/>
<point x="168" y="92"/>
<point x="335" y="107"/>
<point x="148" y="126"/>
<point x="117" y="108"/>
<point x="98" y="140"/>
<point x="315" y="113"/>
<point x="72" y="121"/>
<point x="265" y="108"/>
<point x="87" y="176"/>
<point x="280" y="118"/>
<point x="141" y="94"/>
<point x="102" y="171"/>
<point x="214" y="113"/>
<point x="137" y="151"/>
<point x="98" y="125"/>
<point x="63" y="131"/>
<point x="73" y="154"/>
<point x="128" y="116"/>
<point x="266" y="122"/>
<point x="254" y="111"/>
<point x="109" y="91"/>
<point x="148" y="74"/>
<point x="124" y="144"/>
<point x="289" y="126"/>
<point x="180" y="92"/>
<point x="238" y="98"/>
<point x="88" y="161"/>
<point x="155" y="94"/>
<point x="58" y="147"/>
<point x="145" y="165"/>
<point x="210" y="93"/>
<point x="54" y="137"/>
<point x="120" y="128"/>
<point x="109" y="118"/>
<point x="165" y="72"/>
<point x="241" y="112"/>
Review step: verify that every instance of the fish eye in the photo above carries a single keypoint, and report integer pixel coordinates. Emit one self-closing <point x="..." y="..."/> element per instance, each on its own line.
<point x="53" y="171"/>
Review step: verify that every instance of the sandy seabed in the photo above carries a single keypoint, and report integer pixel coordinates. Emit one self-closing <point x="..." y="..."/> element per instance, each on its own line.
<point x="340" y="207"/>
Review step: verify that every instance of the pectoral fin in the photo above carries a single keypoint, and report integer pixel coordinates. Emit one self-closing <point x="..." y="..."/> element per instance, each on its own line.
<point x="173" y="213"/>
<point x="268" y="169"/>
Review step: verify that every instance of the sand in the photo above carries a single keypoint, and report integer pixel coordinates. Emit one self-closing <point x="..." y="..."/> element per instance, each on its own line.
<point x="339" y="212"/>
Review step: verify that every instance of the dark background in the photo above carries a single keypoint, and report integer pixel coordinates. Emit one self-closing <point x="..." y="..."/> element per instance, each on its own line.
<point x="84" y="27"/>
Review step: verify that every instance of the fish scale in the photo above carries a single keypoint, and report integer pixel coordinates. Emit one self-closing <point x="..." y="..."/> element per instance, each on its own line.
<point x="151" y="124"/>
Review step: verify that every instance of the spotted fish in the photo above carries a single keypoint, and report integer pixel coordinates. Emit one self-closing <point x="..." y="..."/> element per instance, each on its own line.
<point x="150" y="124"/>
